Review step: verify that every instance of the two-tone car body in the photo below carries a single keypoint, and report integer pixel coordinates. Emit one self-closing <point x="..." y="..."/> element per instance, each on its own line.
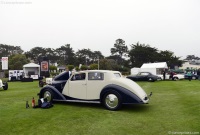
<point x="95" y="86"/>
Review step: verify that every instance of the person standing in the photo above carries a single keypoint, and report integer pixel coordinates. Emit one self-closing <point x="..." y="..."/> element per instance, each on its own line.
<point x="189" y="74"/>
<point x="68" y="72"/>
<point x="198" y="73"/>
<point x="164" y="74"/>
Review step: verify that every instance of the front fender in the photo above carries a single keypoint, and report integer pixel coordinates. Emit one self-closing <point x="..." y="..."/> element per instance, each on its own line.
<point x="56" y="94"/>
<point x="127" y="96"/>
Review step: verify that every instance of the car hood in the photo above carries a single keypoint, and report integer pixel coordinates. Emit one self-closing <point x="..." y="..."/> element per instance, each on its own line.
<point x="130" y="85"/>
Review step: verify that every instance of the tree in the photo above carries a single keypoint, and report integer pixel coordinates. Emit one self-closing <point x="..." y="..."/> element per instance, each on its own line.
<point x="17" y="61"/>
<point x="119" y="48"/>
<point x="65" y="55"/>
<point x="51" y="55"/>
<point x="119" y="52"/>
<point x="84" y="56"/>
<point x="70" y="67"/>
<point x="96" y="55"/>
<point x="94" y="66"/>
<point x="141" y="53"/>
<point x="108" y="64"/>
<point x="192" y="57"/>
<point x="35" y="53"/>
<point x="8" y="50"/>
<point x="87" y="57"/>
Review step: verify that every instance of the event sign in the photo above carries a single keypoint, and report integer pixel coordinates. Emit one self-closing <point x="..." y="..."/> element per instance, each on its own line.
<point x="4" y="61"/>
<point x="44" y="66"/>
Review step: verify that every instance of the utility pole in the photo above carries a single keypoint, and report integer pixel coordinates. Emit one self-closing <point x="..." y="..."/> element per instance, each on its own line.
<point x="98" y="62"/>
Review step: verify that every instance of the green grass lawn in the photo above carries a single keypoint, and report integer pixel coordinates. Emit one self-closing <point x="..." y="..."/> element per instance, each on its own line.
<point x="174" y="107"/>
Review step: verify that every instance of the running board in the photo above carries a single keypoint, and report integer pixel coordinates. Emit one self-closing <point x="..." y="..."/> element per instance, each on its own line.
<point x="79" y="101"/>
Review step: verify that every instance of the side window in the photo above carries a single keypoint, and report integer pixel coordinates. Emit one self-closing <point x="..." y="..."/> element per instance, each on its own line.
<point x="95" y="76"/>
<point x="78" y="77"/>
<point x="144" y="74"/>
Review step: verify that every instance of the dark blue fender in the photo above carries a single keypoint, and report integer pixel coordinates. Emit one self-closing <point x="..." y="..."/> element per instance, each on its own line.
<point x="56" y="94"/>
<point x="127" y="96"/>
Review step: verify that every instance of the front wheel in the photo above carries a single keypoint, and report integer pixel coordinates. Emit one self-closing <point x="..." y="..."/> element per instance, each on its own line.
<point x="5" y="87"/>
<point x="112" y="100"/>
<point x="175" y="78"/>
<point x="151" y="79"/>
<point x="48" y="95"/>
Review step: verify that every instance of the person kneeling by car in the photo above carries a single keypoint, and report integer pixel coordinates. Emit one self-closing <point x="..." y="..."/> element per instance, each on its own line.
<point x="171" y="75"/>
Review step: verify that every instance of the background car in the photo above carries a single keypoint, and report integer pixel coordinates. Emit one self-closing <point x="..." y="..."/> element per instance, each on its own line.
<point x="3" y="85"/>
<point x="193" y="77"/>
<point x="144" y="76"/>
<point x="95" y="86"/>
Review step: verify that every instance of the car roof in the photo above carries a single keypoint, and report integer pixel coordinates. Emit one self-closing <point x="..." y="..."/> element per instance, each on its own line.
<point x="103" y="71"/>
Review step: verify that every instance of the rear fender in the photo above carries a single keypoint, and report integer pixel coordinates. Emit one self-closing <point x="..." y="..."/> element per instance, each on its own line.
<point x="128" y="97"/>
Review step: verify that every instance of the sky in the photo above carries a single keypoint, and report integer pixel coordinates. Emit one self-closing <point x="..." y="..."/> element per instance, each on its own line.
<point x="172" y="25"/>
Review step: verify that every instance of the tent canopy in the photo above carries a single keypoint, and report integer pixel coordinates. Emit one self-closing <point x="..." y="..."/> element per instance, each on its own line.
<point x="31" y="70"/>
<point x="155" y="65"/>
<point x="31" y="65"/>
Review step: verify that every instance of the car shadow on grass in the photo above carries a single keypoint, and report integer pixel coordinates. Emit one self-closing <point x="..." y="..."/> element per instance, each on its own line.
<point x="2" y="90"/>
<point x="128" y="108"/>
<point x="136" y="107"/>
<point x="77" y="104"/>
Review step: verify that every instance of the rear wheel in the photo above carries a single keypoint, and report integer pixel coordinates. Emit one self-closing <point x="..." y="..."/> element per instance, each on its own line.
<point x="112" y="100"/>
<point x="193" y="78"/>
<point x="5" y="87"/>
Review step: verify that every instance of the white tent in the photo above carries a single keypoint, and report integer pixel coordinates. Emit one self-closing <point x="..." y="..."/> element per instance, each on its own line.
<point x="31" y="70"/>
<point x="155" y="65"/>
<point x="154" y="68"/>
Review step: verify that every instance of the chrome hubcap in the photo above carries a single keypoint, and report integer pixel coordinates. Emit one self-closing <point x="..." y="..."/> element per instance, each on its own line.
<point x="47" y="95"/>
<point x="111" y="100"/>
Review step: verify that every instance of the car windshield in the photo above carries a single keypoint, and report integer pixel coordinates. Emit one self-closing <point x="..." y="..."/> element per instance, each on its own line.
<point x="143" y="73"/>
<point x="117" y="75"/>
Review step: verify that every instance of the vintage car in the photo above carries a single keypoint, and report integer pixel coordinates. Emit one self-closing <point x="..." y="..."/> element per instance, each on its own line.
<point x="3" y="85"/>
<point x="144" y="76"/>
<point x="175" y="77"/>
<point x="109" y="88"/>
<point x="193" y="76"/>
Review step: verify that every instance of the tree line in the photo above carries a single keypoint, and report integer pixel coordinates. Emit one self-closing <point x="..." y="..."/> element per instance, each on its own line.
<point x="121" y="58"/>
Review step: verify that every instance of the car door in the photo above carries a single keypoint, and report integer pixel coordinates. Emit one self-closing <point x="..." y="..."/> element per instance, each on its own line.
<point x="78" y="86"/>
<point x="142" y="77"/>
<point x="95" y="84"/>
